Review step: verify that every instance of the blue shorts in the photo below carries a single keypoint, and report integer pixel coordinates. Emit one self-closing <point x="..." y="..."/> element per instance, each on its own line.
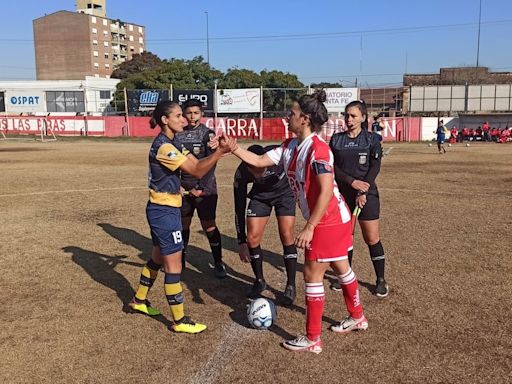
<point x="165" y="225"/>
<point x="440" y="141"/>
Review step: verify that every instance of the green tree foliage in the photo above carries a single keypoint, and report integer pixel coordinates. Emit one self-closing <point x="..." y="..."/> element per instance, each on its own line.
<point x="139" y="63"/>
<point x="147" y="71"/>
<point x="324" y="84"/>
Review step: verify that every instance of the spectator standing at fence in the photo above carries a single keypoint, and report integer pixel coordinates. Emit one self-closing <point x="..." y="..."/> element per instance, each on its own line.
<point x="200" y="194"/>
<point x="270" y="189"/>
<point x="357" y="159"/>
<point x="309" y="166"/>
<point x="166" y="159"/>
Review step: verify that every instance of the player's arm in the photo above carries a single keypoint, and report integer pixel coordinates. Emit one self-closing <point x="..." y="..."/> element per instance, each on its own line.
<point x="375" y="161"/>
<point x="198" y="190"/>
<point x="199" y="168"/>
<point x="344" y="177"/>
<point x="240" y="199"/>
<point x="208" y="150"/>
<point x="322" y="172"/>
<point x="260" y="161"/>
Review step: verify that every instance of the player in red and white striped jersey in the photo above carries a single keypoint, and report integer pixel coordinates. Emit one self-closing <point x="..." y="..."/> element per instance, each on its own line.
<point x="327" y="235"/>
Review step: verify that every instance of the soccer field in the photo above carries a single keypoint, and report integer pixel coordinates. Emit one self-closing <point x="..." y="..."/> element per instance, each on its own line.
<point x="74" y="237"/>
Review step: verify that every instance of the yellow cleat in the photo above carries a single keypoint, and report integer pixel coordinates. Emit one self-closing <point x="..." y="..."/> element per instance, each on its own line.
<point x="188" y="326"/>
<point x="144" y="307"/>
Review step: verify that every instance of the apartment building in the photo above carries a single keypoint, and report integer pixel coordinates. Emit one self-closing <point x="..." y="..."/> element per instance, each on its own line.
<point x="73" y="45"/>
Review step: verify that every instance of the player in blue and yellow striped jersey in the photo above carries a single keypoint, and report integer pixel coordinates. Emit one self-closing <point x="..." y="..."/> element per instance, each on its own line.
<point x="163" y="213"/>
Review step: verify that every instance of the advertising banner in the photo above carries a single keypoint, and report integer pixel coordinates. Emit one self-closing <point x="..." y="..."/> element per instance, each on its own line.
<point x="338" y="98"/>
<point x="25" y="101"/>
<point x="239" y="100"/>
<point x="144" y="100"/>
<point x="204" y="96"/>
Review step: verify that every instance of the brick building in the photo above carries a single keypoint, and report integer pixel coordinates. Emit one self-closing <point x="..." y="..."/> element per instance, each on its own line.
<point x="73" y="45"/>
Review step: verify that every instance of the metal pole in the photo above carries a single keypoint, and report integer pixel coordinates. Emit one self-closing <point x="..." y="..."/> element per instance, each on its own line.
<point x="215" y="99"/>
<point x="361" y="54"/>
<point x="478" y="42"/>
<point x="261" y="112"/>
<point x="86" y="127"/>
<point x="127" y="120"/>
<point x="207" y="40"/>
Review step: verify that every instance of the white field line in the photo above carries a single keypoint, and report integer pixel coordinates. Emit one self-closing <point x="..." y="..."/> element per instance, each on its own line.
<point x="234" y="336"/>
<point x="70" y="191"/>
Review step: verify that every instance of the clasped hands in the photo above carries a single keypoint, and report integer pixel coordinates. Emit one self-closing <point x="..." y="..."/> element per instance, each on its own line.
<point x="223" y="143"/>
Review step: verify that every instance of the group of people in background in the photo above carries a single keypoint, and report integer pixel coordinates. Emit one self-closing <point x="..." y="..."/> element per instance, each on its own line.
<point x="327" y="181"/>
<point x="483" y="133"/>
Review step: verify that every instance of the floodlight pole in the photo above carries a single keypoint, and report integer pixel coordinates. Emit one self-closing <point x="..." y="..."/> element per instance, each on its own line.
<point x="207" y="40"/>
<point x="478" y="41"/>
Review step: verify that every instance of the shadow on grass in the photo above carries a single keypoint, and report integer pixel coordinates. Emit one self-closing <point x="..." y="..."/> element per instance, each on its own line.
<point x="200" y="279"/>
<point x="101" y="268"/>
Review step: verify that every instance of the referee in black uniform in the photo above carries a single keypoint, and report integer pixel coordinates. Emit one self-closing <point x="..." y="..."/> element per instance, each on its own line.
<point x="270" y="189"/>
<point x="200" y="194"/>
<point x="357" y="159"/>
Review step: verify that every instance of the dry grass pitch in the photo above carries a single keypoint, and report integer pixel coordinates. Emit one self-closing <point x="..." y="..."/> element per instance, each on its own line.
<point x="74" y="236"/>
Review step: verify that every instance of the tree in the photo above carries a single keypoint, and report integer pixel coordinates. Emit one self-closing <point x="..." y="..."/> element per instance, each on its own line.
<point x="139" y="63"/>
<point x="240" y="78"/>
<point x="325" y="84"/>
<point x="182" y="74"/>
<point x="278" y="101"/>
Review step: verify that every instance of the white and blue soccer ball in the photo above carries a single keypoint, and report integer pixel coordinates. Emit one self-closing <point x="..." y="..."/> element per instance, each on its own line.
<point x="261" y="313"/>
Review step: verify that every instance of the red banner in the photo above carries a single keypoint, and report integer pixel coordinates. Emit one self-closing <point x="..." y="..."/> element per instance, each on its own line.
<point x="269" y="129"/>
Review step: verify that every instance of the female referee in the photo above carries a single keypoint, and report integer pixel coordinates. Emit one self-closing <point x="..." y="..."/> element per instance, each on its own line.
<point x="270" y="190"/>
<point x="309" y="166"/>
<point x="357" y="158"/>
<point x="163" y="213"/>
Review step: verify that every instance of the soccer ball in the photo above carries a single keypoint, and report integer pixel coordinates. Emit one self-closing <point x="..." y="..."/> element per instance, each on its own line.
<point x="449" y="145"/>
<point x="429" y="144"/>
<point x="261" y="313"/>
<point x="467" y="144"/>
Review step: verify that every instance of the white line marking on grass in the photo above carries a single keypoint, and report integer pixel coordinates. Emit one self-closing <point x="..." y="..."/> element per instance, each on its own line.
<point x="70" y="191"/>
<point x="234" y="336"/>
<point x="439" y="192"/>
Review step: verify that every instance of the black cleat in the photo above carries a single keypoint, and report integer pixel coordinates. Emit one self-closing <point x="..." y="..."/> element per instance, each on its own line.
<point x="289" y="295"/>
<point x="219" y="270"/>
<point x="257" y="288"/>
<point x="381" y="289"/>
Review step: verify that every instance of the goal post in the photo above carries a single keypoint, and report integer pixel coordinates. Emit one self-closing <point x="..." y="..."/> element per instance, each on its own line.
<point x="27" y="128"/>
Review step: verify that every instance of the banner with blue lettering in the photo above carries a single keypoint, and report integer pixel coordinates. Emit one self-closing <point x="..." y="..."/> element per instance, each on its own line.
<point x="24" y="101"/>
<point x="145" y="100"/>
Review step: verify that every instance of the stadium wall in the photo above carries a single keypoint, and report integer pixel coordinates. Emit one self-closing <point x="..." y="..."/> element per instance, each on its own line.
<point x="270" y="129"/>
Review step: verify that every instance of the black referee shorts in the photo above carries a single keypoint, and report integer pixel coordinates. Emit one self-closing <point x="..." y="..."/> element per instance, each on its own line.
<point x="371" y="209"/>
<point x="283" y="205"/>
<point x="206" y="206"/>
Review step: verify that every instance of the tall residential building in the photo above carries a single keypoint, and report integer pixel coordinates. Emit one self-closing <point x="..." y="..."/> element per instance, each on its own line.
<point x="92" y="7"/>
<point x="73" y="45"/>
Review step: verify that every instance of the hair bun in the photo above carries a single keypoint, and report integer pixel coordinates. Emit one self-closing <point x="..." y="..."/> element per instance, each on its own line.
<point x="320" y="95"/>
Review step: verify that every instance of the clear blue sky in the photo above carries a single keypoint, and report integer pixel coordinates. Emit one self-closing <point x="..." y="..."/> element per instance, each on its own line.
<point x="316" y="40"/>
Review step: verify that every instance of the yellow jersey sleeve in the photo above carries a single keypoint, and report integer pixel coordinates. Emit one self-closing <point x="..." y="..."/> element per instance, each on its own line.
<point x="170" y="157"/>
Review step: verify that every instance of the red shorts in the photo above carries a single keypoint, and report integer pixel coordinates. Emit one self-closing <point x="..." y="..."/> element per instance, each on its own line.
<point x="330" y="243"/>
